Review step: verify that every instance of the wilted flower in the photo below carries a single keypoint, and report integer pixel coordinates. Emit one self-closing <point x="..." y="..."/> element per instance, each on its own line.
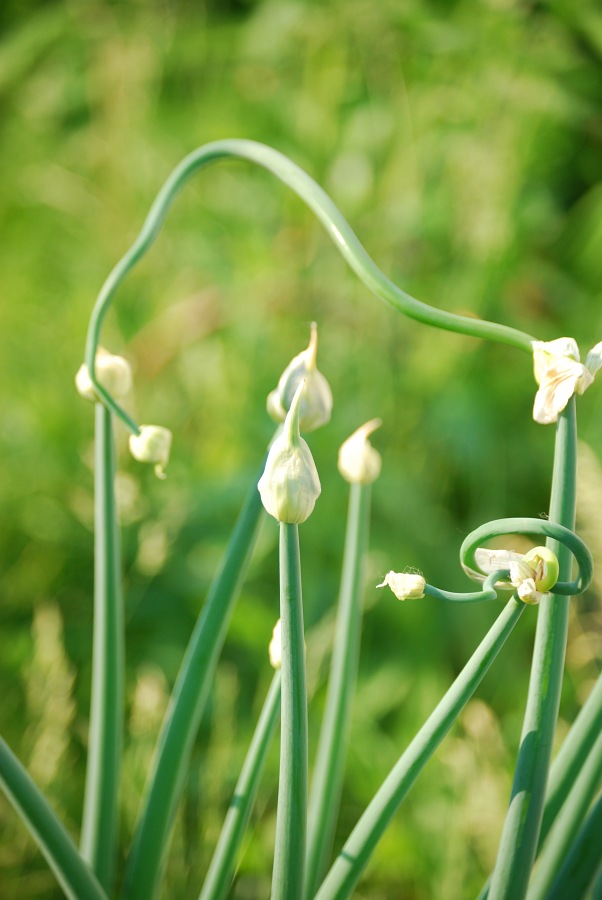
<point x="152" y="445"/>
<point x="113" y="372"/>
<point x="275" y="646"/>
<point x="290" y="485"/>
<point x="359" y="462"/>
<point x="405" y="585"/>
<point x="532" y="574"/>
<point x="316" y="405"/>
<point x="559" y="374"/>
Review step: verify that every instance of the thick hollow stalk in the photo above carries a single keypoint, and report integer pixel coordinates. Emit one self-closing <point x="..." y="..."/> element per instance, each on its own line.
<point x="520" y="833"/>
<point x="291" y="819"/>
<point x="568" y="764"/>
<point x="221" y="869"/>
<point x="572" y="756"/>
<point x="72" y="872"/>
<point x="182" y="719"/>
<point x="582" y="867"/>
<point x="336" y="226"/>
<point x="330" y="759"/>
<point x="567" y="825"/>
<point x="354" y="856"/>
<point x="100" y="815"/>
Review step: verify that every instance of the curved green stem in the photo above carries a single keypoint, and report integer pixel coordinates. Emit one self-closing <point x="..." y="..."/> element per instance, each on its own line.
<point x="521" y="828"/>
<point x="545" y="527"/>
<point x="164" y="784"/>
<point x="488" y="593"/>
<point x="100" y="815"/>
<point x="567" y="825"/>
<point x="291" y="819"/>
<point x="327" y="779"/>
<point x="72" y="872"/>
<point x="221" y="869"/>
<point x="354" y="856"/>
<point x="336" y="226"/>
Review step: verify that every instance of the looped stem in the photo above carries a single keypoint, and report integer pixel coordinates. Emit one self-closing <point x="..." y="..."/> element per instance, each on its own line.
<point x="543" y="527"/>
<point x="488" y="593"/>
<point x="336" y="226"/>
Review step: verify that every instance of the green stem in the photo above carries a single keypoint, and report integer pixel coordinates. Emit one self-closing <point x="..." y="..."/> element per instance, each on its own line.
<point x="98" y="842"/>
<point x="572" y="756"/>
<point x="289" y="852"/>
<point x="354" y="856"/>
<point x="336" y="226"/>
<point x="488" y="593"/>
<point x="521" y="828"/>
<point x="582" y="867"/>
<point x="568" y="764"/>
<point x="221" y="869"/>
<point x="71" y="871"/>
<point x="190" y="693"/>
<point x="567" y="825"/>
<point x="328" y="772"/>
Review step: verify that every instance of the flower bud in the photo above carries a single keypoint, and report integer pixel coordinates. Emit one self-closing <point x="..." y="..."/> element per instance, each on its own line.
<point x="290" y="485"/>
<point x="534" y="574"/>
<point x="275" y="646"/>
<point x="152" y="445"/>
<point x="316" y="405"/>
<point x="405" y="585"/>
<point x="359" y="462"/>
<point x="113" y="372"/>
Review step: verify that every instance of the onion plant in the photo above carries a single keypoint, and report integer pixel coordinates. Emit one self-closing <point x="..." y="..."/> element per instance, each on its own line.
<point x="554" y="812"/>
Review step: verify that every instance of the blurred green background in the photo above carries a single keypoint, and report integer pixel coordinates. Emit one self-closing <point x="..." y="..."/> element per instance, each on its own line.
<point x="463" y="142"/>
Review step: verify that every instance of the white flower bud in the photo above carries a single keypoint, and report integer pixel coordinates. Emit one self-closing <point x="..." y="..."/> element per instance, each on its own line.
<point x="275" y="646"/>
<point x="152" y="445"/>
<point x="359" y="462"/>
<point x="113" y="372"/>
<point x="316" y="405"/>
<point x="405" y="585"/>
<point x="290" y="485"/>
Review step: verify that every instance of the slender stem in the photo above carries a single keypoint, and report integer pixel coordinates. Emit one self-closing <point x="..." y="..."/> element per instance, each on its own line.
<point x="291" y="819"/>
<point x="336" y="226"/>
<point x="567" y="825"/>
<point x="165" y="781"/>
<point x="521" y="828"/>
<point x="100" y="814"/>
<point x="221" y="869"/>
<point x="582" y="867"/>
<point x="330" y="759"/>
<point x="72" y="872"/>
<point x="488" y="593"/>
<point x="354" y="856"/>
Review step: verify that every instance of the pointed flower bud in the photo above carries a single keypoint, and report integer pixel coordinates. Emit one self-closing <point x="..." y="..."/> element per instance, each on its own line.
<point x="290" y="485"/>
<point x="316" y="405"/>
<point x="359" y="462"/>
<point x="405" y="585"/>
<point x="275" y="646"/>
<point x="152" y="445"/>
<point x="559" y="374"/>
<point x="113" y="372"/>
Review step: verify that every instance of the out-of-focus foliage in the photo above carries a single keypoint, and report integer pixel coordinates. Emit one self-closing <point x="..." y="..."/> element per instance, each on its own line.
<point x="463" y="141"/>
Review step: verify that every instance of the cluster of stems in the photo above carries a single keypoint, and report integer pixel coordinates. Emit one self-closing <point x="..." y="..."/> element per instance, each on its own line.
<point x="555" y="811"/>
